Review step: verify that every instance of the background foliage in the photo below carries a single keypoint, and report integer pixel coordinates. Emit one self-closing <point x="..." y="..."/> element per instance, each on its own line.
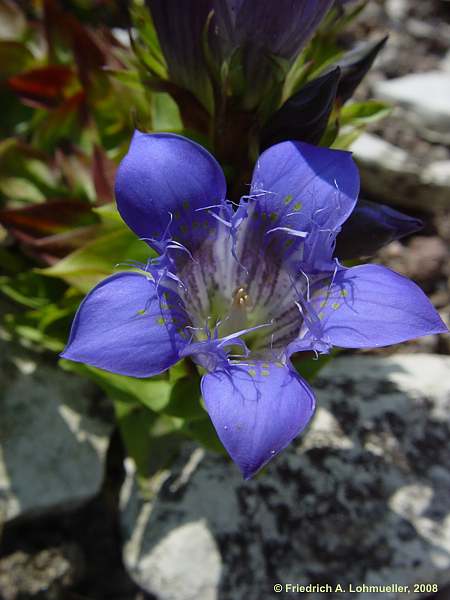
<point x="75" y="83"/>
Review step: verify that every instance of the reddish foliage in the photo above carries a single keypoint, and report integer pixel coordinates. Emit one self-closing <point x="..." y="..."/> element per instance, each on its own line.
<point x="42" y="86"/>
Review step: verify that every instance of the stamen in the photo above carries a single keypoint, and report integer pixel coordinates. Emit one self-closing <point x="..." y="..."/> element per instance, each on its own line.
<point x="240" y="298"/>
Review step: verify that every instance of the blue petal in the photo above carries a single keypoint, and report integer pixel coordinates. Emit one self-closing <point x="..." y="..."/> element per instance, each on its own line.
<point x="167" y="176"/>
<point x="370" y="305"/>
<point x="317" y="187"/>
<point x="309" y="189"/>
<point x="122" y="326"/>
<point x="257" y="410"/>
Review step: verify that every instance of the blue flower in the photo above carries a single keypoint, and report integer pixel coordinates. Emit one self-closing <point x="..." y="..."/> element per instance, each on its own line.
<point x="239" y="291"/>
<point x="282" y="29"/>
<point x="260" y="29"/>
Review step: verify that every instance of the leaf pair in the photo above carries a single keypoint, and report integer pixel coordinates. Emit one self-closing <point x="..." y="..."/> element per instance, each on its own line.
<point x="305" y="115"/>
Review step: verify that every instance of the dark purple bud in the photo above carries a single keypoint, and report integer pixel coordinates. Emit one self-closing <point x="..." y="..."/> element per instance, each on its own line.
<point x="259" y="28"/>
<point x="354" y="66"/>
<point x="282" y="28"/>
<point x="180" y="25"/>
<point x="304" y="116"/>
<point x="370" y="227"/>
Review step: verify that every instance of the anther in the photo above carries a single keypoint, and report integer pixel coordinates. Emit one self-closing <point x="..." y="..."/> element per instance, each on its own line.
<point x="240" y="298"/>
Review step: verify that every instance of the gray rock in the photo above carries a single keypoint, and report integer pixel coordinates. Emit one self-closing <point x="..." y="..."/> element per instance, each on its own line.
<point x="390" y="174"/>
<point x="52" y="451"/>
<point x="43" y="575"/>
<point x="445" y="63"/>
<point x="362" y="498"/>
<point x="437" y="173"/>
<point x="425" y="97"/>
<point x="397" y="9"/>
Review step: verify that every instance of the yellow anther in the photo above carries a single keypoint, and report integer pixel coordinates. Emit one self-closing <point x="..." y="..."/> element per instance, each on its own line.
<point x="240" y="298"/>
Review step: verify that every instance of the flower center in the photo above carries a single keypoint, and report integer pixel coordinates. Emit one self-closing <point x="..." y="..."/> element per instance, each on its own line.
<point x="238" y="284"/>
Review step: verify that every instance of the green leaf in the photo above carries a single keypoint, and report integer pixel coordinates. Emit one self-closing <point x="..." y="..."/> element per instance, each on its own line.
<point x="11" y="262"/>
<point x="30" y="289"/>
<point x="85" y="267"/>
<point x="147" y="46"/>
<point x="331" y="133"/>
<point x="346" y="137"/>
<point x="46" y="326"/>
<point x="109" y="215"/>
<point x="165" y="113"/>
<point x="154" y="393"/>
<point x="363" y="113"/>
<point x="14" y="58"/>
<point x="126" y="76"/>
<point x="20" y="189"/>
<point x="26" y="164"/>
<point x="312" y="62"/>
<point x="134" y="424"/>
<point x="23" y="326"/>
<point x="185" y="400"/>
<point x="203" y="432"/>
<point x="63" y="122"/>
<point x="341" y="24"/>
<point x="151" y="440"/>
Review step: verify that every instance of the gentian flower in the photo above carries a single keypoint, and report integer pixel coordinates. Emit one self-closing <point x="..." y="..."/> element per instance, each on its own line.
<point x="239" y="291"/>
<point x="260" y="29"/>
<point x="282" y="29"/>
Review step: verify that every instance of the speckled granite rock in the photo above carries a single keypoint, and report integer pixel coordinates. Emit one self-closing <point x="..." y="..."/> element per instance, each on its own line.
<point x="363" y="498"/>
<point x="52" y="450"/>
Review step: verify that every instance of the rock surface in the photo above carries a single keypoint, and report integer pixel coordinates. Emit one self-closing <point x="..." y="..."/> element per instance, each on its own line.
<point x="423" y="259"/>
<point x="425" y="97"/>
<point x="362" y="498"/>
<point x="42" y="576"/>
<point x="52" y="450"/>
<point x="390" y="174"/>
